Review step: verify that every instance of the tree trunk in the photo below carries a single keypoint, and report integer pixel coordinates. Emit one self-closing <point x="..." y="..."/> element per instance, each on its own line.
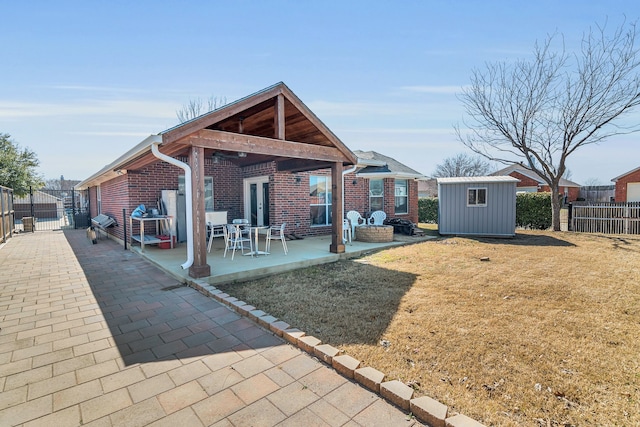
<point x="555" y="208"/>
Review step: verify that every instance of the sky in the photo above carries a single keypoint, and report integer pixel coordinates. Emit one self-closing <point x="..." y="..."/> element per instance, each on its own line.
<point x="82" y="82"/>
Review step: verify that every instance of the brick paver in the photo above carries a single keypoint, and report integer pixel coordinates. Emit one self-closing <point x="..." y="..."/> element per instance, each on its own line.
<point x="95" y="335"/>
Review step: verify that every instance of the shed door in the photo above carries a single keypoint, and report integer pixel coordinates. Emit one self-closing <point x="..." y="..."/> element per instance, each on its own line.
<point x="633" y="192"/>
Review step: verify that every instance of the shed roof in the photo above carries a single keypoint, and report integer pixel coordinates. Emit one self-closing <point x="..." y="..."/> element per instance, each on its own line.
<point x="477" y="179"/>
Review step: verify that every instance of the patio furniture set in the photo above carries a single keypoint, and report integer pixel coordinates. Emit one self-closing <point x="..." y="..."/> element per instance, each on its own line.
<point x="355" y="220"/>
<point x="240" y="233"/>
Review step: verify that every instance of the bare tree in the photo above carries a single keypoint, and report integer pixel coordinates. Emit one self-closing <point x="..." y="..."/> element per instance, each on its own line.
<point x="197" y="107"/>
<point x="541" y="111"/>
<point x="462" y="164"/>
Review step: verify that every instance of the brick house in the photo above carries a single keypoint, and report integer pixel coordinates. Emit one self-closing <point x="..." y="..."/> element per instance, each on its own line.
<point x="266" y="158"/>
<point x="628" y="186"/>
<point x="531" y="182"/>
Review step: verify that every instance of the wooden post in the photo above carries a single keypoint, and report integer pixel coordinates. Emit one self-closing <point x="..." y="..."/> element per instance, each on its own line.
<point x="279" y="118"/>
<point x="199" y="268"/>
<point x="337" y="213"/>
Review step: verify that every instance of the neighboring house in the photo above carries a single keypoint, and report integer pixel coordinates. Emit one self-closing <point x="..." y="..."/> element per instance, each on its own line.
<point x="428" y="188"/>
<point x="531" y="182"/>
<point x="478" y="206"/>
<point x="266" y="158"/>
<point x="45" y="206"/>
<point x="628" y="186"/>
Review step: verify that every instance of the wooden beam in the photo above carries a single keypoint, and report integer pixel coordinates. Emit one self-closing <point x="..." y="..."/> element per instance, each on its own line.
<point x="199" y="268"/>
<point x="225" y="112"/>
<point x="279" y="118"/>
<point x="337" y="245"/>
<point x="219" y="140"/>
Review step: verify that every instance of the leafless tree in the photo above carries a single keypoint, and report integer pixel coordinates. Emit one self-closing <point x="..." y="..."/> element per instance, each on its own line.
<point x="462" y="164"/>
<point x="198" y="106"/>
<point x="540" y="111"/>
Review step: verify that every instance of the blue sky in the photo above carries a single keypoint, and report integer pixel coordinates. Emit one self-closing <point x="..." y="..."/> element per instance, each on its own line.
<point x="84" y="81"/>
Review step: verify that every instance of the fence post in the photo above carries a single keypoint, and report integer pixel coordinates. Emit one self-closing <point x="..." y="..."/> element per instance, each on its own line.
<point x="124" y="222"/>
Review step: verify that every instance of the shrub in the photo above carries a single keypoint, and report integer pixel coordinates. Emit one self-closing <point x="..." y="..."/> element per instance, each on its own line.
<point x="428" y="210"/>
<point x="533" y="210"/>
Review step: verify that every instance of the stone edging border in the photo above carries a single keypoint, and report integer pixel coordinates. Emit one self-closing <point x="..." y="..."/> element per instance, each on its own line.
<point x="424" y="408"/>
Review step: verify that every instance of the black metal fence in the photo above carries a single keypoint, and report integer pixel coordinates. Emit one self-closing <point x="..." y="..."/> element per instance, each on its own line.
<point x="47" y="209"/>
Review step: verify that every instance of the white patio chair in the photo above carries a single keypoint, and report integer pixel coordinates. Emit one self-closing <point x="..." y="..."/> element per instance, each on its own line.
<point x="346" y="231"/>
<point x="377" y="218"/>
<point x="244" y="226"/>
<point x="234" y="240"/>
<point x="355" y="219"/>
<point x="278" y="236"/>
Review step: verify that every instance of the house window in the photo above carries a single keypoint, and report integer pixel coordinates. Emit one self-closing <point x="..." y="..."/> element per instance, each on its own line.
<point x="402" y="196"/>
<point x="208" y="191"/>
<point x="376" y="195"/>
<point x="477" y="197"/>
<point x="320" y="200"/>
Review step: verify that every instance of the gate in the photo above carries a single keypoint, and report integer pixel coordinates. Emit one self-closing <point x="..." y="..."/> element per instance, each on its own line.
<point x="607" y="218"/>
<point x="51" y="210"/>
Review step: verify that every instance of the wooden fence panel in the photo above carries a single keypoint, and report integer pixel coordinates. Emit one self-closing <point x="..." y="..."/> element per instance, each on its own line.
<point x="607" y="218"/>
<point x="7" y="215"/>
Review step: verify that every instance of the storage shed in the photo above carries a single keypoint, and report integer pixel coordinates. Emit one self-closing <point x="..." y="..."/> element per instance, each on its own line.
<point x="478" y="206"/>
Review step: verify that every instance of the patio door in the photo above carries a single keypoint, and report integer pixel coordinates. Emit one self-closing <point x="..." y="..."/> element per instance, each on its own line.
<point x="256" y="200"/>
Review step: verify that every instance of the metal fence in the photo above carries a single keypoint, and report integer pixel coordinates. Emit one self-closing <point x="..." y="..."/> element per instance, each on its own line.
<point x="47" y="209"/>
<point x="7" y="216"/>
<point x="607" y="218"/>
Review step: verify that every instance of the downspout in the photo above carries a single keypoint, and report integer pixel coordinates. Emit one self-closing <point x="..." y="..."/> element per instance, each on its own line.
<point x="187" y="195"/>
<point x="344" y="172"/>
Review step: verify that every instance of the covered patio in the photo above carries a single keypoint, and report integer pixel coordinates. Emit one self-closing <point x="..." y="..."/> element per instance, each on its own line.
<point x="258" y="152"/>
<point x="302" y="253"/>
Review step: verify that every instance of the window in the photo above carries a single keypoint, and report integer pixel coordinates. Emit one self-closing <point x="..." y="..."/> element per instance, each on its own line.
<point x="402" y="196"/>
<point x="320" y="200"/>
<point x="376" y="195"/>
<point x="208" y="191"/>
<point x="477" y="197"/>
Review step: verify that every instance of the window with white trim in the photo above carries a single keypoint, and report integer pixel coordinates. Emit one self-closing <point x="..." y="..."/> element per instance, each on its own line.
<point x="376" y="195"/>
<point x="320" y="200"/>
<point x="477" y="197"/>
<point x="402" y="196"/>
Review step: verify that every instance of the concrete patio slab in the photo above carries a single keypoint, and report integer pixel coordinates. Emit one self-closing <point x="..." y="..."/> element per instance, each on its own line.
<point x="97" y="334"/>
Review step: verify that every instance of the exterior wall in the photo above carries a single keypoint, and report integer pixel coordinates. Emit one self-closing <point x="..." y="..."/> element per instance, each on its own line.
<point x="498" y="218"/>
<point x="288" y="194"/>
<point x="356" y="194"/>
<point x="621" y="185"/>
<point x="525" y="181"/>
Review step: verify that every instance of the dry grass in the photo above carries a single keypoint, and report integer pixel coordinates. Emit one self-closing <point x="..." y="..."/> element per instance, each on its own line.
<point x="545" y="333"/>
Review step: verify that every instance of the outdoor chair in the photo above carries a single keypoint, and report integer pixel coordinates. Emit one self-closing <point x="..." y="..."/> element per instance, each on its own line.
<point x="234" y="240"/>
<point x="244" y="225"/>
<point x="346" y="231"/>
<point x="355" y="219"/>
<point x="279" y="235"/>
<point x="377" y="218"/>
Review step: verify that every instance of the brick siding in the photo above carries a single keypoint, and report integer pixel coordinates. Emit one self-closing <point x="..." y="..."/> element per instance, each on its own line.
<point x="621" y="185"/>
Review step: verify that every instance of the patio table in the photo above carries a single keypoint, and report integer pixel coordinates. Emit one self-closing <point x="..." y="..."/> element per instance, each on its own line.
<point x="255" y="249"/>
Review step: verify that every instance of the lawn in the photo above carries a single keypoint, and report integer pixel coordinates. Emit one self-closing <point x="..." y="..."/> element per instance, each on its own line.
<point x="539" y="330"/>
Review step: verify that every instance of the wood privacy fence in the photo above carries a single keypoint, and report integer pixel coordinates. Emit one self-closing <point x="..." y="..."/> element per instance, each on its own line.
<point x="6" y="213"/>
<point x="607" y="218"/>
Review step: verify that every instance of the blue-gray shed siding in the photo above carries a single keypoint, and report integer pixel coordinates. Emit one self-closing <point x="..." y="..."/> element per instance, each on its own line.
<point x="497" y="218"/>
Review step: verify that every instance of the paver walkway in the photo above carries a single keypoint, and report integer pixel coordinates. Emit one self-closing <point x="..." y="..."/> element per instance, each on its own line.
<point x="94" y="335"/>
